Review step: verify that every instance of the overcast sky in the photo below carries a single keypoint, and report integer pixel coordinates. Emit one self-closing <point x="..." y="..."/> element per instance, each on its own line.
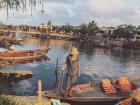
<point x="104" y="12"/>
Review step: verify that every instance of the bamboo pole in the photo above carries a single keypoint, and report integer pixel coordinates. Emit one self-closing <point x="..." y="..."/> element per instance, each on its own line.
<point x="39" y="91"/>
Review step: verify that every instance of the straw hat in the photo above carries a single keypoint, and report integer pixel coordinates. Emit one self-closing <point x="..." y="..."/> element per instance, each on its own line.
<point x="136" y="95"/>
<point x="74" y="51"/>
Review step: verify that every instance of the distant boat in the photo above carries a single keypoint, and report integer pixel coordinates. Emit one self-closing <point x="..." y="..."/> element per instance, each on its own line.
<point x="24" y="61"/>
<point x="23" y="55"/>
<point x="15" y="75"/>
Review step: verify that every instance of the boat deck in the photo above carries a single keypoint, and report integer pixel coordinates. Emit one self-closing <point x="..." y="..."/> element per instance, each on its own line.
<point x="93" y="93"/>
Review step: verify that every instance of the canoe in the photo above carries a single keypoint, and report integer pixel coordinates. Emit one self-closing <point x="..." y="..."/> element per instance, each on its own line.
<point x="90" y="93"/>
<point x="25" y="54"/>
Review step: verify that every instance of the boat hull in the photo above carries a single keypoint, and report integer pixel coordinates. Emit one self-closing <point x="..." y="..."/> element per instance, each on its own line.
<point x="23" y="55"/>
<point x="91" y="95"/>
<point x="15" y="75"/>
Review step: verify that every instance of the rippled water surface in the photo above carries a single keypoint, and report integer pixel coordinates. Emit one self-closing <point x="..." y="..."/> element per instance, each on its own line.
<point x="96" y="64"/>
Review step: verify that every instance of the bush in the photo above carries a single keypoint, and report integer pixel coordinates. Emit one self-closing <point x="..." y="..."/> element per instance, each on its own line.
<point x="5" y="100"/>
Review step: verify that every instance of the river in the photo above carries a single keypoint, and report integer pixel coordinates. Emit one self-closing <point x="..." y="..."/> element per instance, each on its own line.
<point x="96" y="64"/>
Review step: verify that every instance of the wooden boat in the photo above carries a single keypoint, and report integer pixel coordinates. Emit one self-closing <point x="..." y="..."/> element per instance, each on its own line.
<point x="25" y="54"/>
<point x="91" y="93"/>
<point x="13" y="75"/>
<point x="26" y="61"/>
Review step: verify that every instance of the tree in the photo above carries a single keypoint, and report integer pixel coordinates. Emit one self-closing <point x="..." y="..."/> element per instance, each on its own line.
<point x="92" y="27"/>
<point x="83" y="28"/>
<point x="125" y="32"/>
<point x="67" y="28"/>
<point x="17" y="4"/>
<point x="49" y="23"/>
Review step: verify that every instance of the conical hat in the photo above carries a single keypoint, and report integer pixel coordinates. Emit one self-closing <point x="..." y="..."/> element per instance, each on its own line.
<point x="74" y="51"/>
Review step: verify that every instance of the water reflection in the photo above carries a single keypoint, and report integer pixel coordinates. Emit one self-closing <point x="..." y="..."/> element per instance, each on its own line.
<point x="96" y="63"/>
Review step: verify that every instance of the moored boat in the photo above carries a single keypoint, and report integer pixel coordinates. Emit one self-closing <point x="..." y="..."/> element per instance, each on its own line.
<point x="24" y="54"/>
<point x="90" y="93"/>
<point x="4" y="63"/>
<point x="15" y="75"/>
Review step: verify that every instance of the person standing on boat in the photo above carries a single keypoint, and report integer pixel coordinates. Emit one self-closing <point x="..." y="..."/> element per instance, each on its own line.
<point x="73" y="70"/>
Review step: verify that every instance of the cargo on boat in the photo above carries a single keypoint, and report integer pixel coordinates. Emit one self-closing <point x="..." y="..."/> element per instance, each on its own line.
<point x="25" y="54"/>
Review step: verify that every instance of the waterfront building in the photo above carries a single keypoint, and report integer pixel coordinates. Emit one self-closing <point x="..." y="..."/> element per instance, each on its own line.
<point x="46" y="28"/>
<point x="107" y="30"/>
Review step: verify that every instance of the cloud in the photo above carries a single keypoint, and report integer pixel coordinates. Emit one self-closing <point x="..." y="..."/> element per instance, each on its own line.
<point x="104" y="12"/>
<point x="106" y="7"/>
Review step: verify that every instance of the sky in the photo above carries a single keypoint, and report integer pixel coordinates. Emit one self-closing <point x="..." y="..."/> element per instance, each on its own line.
<point x="75" y="12"/>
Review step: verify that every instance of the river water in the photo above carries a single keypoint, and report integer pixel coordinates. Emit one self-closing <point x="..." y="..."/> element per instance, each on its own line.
<point x="96" y="64"/>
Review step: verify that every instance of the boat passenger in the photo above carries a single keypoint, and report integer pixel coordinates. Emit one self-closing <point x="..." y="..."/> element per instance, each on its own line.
<point x="73" y="70"/>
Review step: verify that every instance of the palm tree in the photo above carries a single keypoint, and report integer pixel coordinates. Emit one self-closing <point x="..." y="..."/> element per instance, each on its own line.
<point x="67" y="28"/>
<point x="83" y="28"/>
<point x="17" y="4"/>
<point x="92" y="28"/>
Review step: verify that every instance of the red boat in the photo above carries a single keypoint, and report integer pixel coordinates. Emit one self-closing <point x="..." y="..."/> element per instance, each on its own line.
<point x="25" y="54"/>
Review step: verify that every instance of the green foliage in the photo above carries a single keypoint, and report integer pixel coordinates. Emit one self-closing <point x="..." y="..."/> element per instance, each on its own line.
<point x="67" y="28"/>
<point x="90" y="28"/>
<point x="18" y="4"/>
<point x="49" y="23"/>
<point x="15" y="4"/>
<point x="1" y="24"/>
<point x="83" y="28"/>
<point x="4" y="100"/>
<point x="125" y="32"/>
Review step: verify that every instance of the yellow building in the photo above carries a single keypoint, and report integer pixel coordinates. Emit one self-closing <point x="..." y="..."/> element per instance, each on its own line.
<point x="46" y="27"/>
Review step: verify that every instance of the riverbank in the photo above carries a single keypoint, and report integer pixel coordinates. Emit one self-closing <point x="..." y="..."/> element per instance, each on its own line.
<point x="22" y="100"/>
<point x="98" y="41"/>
